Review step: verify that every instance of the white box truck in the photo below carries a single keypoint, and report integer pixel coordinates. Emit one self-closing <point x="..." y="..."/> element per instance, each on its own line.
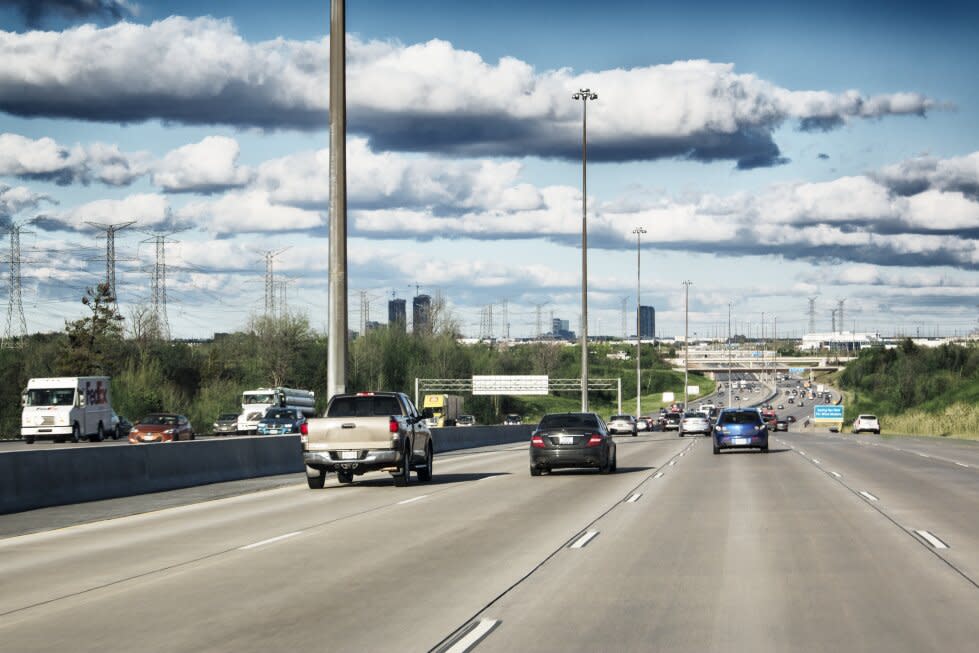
<point x="254" y="403"/>
<point x="72" y="407"/>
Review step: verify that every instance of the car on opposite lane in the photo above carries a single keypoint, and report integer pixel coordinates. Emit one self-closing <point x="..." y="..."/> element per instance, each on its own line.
<point x="563" y="440"/>
<point x="225" y="424"/>
<point x="281" y="421"/>
<point x="623" y="424"/>
<point x="740" y="428"/>
<point x="466" y="420"/>
<point x="161" y="427"/>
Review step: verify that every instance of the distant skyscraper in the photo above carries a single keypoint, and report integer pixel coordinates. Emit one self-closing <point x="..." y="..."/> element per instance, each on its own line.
<point x="560" y="329"/>
<point x="647" y="322"/>
<point x="421" y="314"/>
<point x="397" y="317"/>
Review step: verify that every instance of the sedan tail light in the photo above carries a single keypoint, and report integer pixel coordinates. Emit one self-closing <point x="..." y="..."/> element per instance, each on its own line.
<point x="537" y="441"/>
<point x="595" y="440"/>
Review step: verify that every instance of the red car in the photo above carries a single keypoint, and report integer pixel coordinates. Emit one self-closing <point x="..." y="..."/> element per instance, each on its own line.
<point x="161" y="427"/>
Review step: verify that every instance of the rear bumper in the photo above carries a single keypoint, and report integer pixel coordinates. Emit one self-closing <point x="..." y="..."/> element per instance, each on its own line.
<point x="367" y="460"/>
<point x="741" y="441"/>
<point x="556" y="458"/>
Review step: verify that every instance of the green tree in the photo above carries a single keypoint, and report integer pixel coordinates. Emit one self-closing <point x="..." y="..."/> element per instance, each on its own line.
<point x="92" y="340"/>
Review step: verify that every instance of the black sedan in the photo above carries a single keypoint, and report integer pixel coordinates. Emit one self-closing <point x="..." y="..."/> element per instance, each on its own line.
<point x="571" y="440"/>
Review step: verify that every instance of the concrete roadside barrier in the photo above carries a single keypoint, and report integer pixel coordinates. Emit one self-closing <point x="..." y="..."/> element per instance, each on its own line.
<point x="468" y="437"/>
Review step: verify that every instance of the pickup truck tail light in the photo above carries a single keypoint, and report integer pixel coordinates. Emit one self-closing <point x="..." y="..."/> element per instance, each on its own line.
<point x="595" y="440"/>
<point x="393" y="426"/>
<point x="537" y="441"/>
<point x="304" y="433"/>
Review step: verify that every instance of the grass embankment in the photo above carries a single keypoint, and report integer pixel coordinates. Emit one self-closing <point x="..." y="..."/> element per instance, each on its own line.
<point x="916" y="391"/>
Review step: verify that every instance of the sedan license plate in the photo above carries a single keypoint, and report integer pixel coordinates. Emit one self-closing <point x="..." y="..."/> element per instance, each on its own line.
<point x="348" y="455"/>
<point x="566" y="439"/>
<point x="741" y="441"/>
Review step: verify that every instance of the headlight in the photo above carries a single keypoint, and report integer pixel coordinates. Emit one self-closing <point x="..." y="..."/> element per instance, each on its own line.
<point x="169" y="431"/>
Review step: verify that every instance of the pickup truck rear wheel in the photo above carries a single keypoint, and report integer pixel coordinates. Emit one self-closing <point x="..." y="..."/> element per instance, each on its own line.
<point x="316" y="482"/>
<point x="425" y="472"/>
<point x="403" y="475"/>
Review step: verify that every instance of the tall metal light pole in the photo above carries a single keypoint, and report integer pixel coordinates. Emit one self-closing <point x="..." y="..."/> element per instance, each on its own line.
<point x="686" y="342"/>
<point x="729" y="362"/>
<point x="584" y="95"/>
<point x="336" y="358"/>
<point x="639" y="231"/>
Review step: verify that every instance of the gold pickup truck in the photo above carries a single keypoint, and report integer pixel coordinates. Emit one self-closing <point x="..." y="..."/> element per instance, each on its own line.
<point x="368" y="431"/>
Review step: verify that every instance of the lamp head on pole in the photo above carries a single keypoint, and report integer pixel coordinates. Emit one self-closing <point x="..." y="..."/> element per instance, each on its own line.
<point x="585" y="94"/>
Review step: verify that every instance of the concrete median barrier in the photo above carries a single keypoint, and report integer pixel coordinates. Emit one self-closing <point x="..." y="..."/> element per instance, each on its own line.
<point x="54" y="477"/>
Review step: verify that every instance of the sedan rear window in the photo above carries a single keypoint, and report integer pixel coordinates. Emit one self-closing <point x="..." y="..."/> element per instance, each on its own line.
<point x="740" y="417"/>
<point x="867" y="417"/>
<point x="572" y="420"/>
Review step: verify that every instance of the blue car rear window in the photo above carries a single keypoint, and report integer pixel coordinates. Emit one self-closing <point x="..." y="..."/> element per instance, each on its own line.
<point x="740" y="417"/>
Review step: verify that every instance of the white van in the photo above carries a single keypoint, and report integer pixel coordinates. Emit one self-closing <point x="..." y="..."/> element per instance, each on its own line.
<point x="73" y="407"/>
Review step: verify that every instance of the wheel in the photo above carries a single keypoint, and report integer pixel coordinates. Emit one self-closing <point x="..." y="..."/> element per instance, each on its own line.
<point x="425" y="472"/>
<point x="29" y="439"/>
<point x="717" y="449"/>
<point x="635" y="433"/>
<point x="316" y="482"/>
<point x="76" y="433"/>
<point x="615" y="462"/>
<point x="116" y="433"/>
<point x="607" y="467"/>
<point x="534" y="470"/>
<point x="681" y="433"/>
<point x="345" y="476"/>
<point x="193" y="436"/>
<point x="99" y="434"/>
<point x="403" y="476"/>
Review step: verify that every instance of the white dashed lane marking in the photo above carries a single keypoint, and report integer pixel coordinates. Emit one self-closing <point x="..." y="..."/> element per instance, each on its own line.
<point x="584" y="540"/>
<point x="931" y="539"/>
<point x="268" y="541"/>
<point x="474" y="636"/>
<point x="659" y="475"/>
<point x="412" y="500"/>
<point x="634" y="498"/>
<point x="869" y="496"/>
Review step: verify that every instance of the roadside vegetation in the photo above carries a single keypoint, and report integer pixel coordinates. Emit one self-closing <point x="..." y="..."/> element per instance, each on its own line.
<point x="206" y="378"/>
<point x="916" y="390"/>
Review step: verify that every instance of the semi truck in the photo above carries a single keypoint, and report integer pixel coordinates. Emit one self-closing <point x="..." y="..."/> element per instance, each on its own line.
<point x="254" y="403"/>
<point x="75" y="407"/>
<point x="445" y="409"/>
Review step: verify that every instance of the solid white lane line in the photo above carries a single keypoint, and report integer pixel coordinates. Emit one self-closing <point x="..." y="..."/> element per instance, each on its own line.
<point x="961" y="464"/>
<point x="268" y="541"/>
<point x="869" y="496"/>
<point x="931" y="539"/>
<point x="634" y="497"/>
<point x="412" y="500"/>
<point x="659" y="475"/>
<point x="837" y="474"/>
<point x="584" y="539"/>
<point x="474" y="636"/>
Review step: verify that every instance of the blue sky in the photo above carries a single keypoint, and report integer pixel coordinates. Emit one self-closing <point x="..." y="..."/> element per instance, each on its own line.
<point x="774" y="151"/>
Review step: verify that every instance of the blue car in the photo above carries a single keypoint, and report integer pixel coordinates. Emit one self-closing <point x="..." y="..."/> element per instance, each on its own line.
<point x="740" y="428"/>
<point x="281" y="420"/>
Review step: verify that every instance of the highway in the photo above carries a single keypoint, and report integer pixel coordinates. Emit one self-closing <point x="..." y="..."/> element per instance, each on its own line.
<point x="690" y="552"/>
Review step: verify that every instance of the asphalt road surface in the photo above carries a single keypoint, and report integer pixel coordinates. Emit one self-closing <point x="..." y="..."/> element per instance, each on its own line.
<point x="690" y="552"/>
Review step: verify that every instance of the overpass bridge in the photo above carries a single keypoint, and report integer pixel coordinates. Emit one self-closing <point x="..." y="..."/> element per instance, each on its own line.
<point x="713" y="362"/>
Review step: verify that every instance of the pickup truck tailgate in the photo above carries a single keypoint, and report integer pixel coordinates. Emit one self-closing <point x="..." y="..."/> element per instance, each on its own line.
<point x="336" y="433"/>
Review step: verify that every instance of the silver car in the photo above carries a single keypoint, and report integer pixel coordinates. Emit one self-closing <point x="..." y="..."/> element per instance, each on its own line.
<point x="694" y="423"/>
<point x="623" y="424"/>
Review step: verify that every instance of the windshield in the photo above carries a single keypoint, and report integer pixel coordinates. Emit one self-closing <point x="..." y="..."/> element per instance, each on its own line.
<point x="228" y="417"/>
<point x="364" y="407"/>
<point x="280" y="413"/>
<point x="51" y="397"/>
<point x="258" y="398"/>
<point x="159" y="420"/>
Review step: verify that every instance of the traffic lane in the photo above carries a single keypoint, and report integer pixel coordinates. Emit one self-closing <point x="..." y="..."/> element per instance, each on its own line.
<point x="956" y="451"/>
<point x="921" y="494"/>
<point x="429" y="557"/>
<point x="738" y="552"/>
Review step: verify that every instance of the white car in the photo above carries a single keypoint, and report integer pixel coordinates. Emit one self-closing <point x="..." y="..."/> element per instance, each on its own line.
<point x="622" y="424"/>
<point x="694" y="423"/>
<point x="866" y="423"/>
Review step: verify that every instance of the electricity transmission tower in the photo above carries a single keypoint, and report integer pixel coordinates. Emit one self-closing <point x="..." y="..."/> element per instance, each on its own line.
<point x="110" y="255"/>
<point x="160" y="323"/>
<point x="283" y="301"/>
<point x="12" y="335"/>
<point x="270" y="280"/>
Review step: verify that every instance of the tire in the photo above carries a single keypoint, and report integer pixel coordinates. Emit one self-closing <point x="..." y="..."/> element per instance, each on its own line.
<point x="425" y="473"/>
<point x="29" y="439"/>
<point x="116" y="433"/>
<point x="99" y="434"/>
<point x="607" y="467"/>
<point x="615" y="463"/>
<point x="534" y="470"/>
<point x="76" y="433"/>
<point x="316" y="482"/>
<point x="681" y="433"/>
<point x="717" y="449"/>
<point x="403" y="477"/>
<point x="193" y="436"/>
<point x="345" y="476"/>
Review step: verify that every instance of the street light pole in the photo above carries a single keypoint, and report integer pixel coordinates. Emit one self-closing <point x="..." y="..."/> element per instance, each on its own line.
<point x="639" y="231"/>
<point x="336" y="366"/>
<point x="729" y="362"/>
<point x="584" y="95"/>
<point x="686" y="342"/>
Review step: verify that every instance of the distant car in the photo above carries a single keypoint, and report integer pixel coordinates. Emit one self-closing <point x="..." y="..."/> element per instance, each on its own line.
<point x="623" y="424"/>
<point x="466" y="420"/>
<point x="781" y="407"/>
<point x="802" y="404"/>
<point x="644" y="424"/>
<point x="281" y="421"/>
<point x="161" y="427"/>
<point x="790" y="419"/>
<point x="781" y="424"/>
<point x="694" y="423"/>
<point x="866" y="423"/>
<point x="225" y="424"/>
<point x="571" y="440"/>
<point x="740" y="428"/>
<point x="672" y="422"/>
<point x="120" y="426"/>
<point x="512" y="420"/>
